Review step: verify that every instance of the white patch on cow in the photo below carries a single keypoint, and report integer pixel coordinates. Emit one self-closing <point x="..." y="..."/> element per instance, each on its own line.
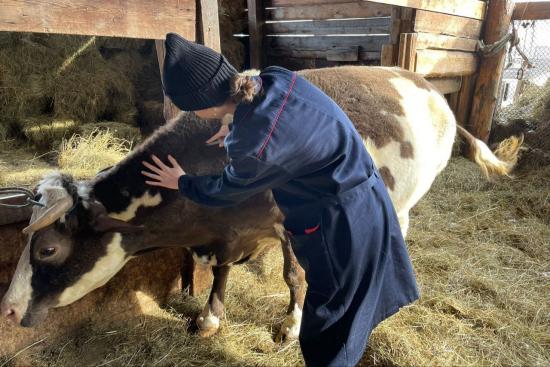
<point x="291" y="326"/>
<point x="431" y="145"/>
<point x="210" y="321"/>
<point x="83" y="189"/>
<point x="146" y="200"/>
<point x="104" y="269"/>
<point x="205" y="259"/>
<point x="19" y="293"/>
<point x="50" y="180"/>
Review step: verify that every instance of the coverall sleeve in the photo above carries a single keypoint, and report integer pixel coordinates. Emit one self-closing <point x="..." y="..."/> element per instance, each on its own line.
<point x="241" y="179"/>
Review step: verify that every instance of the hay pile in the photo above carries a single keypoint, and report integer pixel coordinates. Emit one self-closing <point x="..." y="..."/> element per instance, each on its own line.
<point x="52" y="85"/>
<point x="482" y="254"/>
<point x="233" y="20"/>
<point x="533" y="105"/>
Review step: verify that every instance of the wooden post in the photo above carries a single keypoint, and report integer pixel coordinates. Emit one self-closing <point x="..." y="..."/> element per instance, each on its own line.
<point x="255" y="29"/>
<point x="499" y="15"/>
<point x="196" y="278"/>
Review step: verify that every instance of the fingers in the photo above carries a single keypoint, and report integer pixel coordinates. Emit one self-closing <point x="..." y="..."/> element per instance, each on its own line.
<point x="155" y="183"/>
<point x="151" y="175"/>
<point x="212" y="139"/>
<point x="159" y="163"/>
<point x="152" y="167"/>
<point x="173" y="162"/>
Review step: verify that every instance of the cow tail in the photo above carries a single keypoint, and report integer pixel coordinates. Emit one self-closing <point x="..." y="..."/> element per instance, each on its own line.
<point x="497" y="163"/>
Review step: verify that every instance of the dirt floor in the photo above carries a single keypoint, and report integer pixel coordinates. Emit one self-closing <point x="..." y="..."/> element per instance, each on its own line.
<point x="482" y="255"/>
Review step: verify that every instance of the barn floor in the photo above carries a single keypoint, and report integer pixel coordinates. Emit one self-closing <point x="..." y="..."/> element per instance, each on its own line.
<point x="482" y="254"/>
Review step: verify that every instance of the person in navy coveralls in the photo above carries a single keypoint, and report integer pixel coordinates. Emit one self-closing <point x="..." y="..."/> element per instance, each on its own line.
<point x="288" y="136"/>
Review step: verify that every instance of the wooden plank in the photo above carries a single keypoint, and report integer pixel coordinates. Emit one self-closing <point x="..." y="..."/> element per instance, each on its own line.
<point x="350" y="53"/>
<point x="135" y="19"/>
<point x="429" y="22"/>
<point x="325" y="27"/>
<point x="532" y="11"/>
<point x="365" y="43"/>
<point x="464" y="8"/>
<point x="434" y="63"/>
<point x="209" y="25"/>
<point x="443" y="42"/>
<point x="446" y="85"/>
<point x="407" y="51"/>
<point x="464" y="104"/>
<point x="256" y="19"/>
<point x="317" y="54"/>
<point x="499" y="15"/>
<point x="329" y="11"/>
<point x="386" y="56"/>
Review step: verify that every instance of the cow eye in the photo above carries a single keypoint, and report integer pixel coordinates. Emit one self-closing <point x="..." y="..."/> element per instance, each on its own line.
<point x="46" y="252"/>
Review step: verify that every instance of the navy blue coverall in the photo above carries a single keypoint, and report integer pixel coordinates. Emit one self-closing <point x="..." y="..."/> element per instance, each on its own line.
<point x="295" y="140"/>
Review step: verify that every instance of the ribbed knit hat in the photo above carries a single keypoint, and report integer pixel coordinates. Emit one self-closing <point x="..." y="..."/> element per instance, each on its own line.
<point x="195" y="77"/>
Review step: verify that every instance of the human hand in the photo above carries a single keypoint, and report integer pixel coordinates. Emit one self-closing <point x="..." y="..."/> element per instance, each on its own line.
<point x="163" y="175"/>
<point x="219" y="136"/>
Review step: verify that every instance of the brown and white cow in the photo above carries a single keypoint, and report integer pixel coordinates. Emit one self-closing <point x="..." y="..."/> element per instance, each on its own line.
<point x="89" y="230"/>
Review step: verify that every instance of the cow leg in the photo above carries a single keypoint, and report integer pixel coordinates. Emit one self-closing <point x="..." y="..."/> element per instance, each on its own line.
<point x="403" y="218"/>
<point x="295" y="279"/>
<point x="208" y="321"/>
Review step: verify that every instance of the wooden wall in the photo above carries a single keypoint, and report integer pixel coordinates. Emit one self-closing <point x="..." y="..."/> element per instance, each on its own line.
<point x="313" y="33"/>
<point x="437" y="39"/>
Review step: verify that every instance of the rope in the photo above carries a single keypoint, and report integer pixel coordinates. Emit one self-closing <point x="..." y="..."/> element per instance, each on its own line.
<point x="19" y="191"/>
<point x="494" y="48"/>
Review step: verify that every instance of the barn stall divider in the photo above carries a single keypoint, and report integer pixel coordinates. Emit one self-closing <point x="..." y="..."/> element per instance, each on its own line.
<point x="438" y="39"/>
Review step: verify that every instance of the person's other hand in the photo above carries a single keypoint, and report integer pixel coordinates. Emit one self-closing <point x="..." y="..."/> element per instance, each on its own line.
<point x="162" y="174"/>
<point x="219" y="136"/>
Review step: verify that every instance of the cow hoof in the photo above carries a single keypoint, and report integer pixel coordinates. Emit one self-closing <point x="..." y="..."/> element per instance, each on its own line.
<point x="208" y="325"/>
<point x="290" y="329"/>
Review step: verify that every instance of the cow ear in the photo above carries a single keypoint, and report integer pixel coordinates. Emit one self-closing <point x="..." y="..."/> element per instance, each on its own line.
<point x="104" y="223"/>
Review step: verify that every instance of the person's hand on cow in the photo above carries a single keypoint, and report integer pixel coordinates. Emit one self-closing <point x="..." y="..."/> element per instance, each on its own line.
<point x="162" y="174"/>
<point x="219" y="136"/>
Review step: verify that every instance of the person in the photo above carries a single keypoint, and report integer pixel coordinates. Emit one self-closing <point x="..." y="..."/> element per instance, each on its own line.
<point x="288" y="136"/>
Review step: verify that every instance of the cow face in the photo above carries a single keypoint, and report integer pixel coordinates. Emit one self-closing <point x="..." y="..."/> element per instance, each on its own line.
<point x="74" y="247"/>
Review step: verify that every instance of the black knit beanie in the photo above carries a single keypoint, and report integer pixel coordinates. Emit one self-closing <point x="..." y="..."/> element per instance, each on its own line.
<point x="195" y="77"/>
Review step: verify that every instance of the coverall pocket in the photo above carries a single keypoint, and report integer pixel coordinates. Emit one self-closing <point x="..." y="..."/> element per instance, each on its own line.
<point x="311" y="251"/>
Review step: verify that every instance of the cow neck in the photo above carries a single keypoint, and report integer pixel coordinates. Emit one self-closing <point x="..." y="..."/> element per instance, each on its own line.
<point x="183" y="138"/>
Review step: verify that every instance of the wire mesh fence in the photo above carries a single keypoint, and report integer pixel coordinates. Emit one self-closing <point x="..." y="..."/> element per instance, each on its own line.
<point x="525" y="88"/>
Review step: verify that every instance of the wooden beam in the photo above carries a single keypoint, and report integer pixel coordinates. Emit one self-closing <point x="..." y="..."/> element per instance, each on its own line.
<point x="386" y="56"/>
<point x="464" y="8"/>
<point x="256" y="19"/>
<point x="499" y="15"/>
<point x="434" y="63"/>
<point x="329" y="11"/>
<point x="429" y="22"/>
<point x="446" y="85"/>
<point x="209" y="25"/>
<point x="532" y="11"/>
<point x="317" y="54"/>
<point x="325" y="27"/>
<point x="442" y="42"/>
<point x="350" y="53"/>
<point x="366" y="43"/>
<point x="407" y="51"/>
<point x="464" y="103"/>
<point x="134" y="19"/>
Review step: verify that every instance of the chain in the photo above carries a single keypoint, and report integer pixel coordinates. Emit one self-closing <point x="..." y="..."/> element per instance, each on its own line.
<point x="31" y="199"/>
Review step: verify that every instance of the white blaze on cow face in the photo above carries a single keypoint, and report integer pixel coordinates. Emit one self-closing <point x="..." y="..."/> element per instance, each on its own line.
<point x="103" y="270"/>
<point x="19" y="294"/>
<point x="146" y="200"/>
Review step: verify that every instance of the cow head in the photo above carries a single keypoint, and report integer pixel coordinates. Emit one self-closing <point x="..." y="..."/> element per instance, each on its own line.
<point x="73" y="248"/>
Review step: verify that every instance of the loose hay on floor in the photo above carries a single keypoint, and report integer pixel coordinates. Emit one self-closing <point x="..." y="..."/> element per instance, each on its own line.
<point x="482" y="254"/>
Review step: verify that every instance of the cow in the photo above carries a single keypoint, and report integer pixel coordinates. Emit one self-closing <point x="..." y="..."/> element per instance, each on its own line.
<point x="88" y="230"/>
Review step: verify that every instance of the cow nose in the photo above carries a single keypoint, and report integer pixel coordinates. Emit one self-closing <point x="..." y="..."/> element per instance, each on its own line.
<point x="11" y="313"/>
